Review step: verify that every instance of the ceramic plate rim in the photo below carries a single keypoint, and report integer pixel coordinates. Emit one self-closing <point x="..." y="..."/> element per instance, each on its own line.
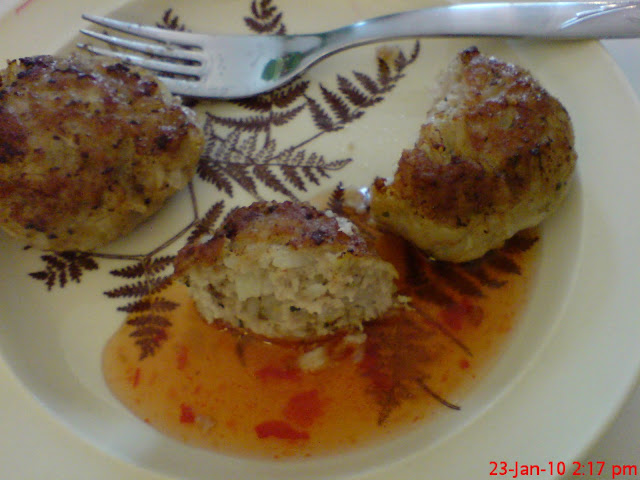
<point x="600" y="409"/>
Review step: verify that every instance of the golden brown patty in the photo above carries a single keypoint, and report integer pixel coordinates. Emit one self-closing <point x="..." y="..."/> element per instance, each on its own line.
<point x="286" y="270"/>
<point x="88" y="149"/>
<point x="495" y="157"/>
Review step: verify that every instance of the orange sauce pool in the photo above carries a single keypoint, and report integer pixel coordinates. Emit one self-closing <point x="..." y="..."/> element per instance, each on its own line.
<point x="237" y="394"/>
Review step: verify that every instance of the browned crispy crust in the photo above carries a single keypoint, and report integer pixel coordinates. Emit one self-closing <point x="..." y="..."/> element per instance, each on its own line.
<point x="88" y="149"/>
<point x="496" y="143"/>
<point x="295" y="224"/>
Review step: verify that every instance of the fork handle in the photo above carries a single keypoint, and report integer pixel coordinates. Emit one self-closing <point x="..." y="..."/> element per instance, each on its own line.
<point x="551" y="20"/>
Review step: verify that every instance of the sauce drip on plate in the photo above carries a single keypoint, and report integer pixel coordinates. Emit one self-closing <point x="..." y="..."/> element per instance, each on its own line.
<point x="235" y="393"/>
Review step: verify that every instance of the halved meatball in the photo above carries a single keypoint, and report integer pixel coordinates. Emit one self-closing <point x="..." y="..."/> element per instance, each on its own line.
<point x="287" y="270"/>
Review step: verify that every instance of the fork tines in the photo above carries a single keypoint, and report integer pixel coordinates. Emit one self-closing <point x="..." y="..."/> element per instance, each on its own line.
<point x="177" y="53"/>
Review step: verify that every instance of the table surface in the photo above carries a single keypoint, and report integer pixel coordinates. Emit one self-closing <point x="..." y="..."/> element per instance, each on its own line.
<point x="618" y="445"/>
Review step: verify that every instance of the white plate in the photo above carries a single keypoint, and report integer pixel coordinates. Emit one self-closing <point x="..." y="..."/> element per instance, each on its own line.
<point x="567" y="369"/>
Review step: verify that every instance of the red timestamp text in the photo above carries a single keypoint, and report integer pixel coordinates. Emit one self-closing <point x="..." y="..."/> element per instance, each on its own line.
<point x="602" y="469"/>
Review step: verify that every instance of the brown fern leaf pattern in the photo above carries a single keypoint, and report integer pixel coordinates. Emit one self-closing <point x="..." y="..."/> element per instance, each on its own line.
<point x="451" y="288"/>
<point x="441" y="283"/>
<point x="350" y="98"/>
<point x="402" y="62"/>
<point x="139" y="288"/>
<point x="519" y="243"/>
<point x="456" y="278"/>
<point x="310" y="175"/>
<point x="392" y="63"/>
<point x="355" y="95"/>
<point x="265" y="18"/>
<point x="251" y="159"/>
<point x="62" y="267"/>
<point x="236" y="157"/>
<point x="149" y="332"/>
<point x="258" y="123"/>
<point x="170" y="21"/>
<point x="292" y="176"/>
<point x="264" y="173"/>
<point x="240" y="173"/>
<point x="369" y="84"/>
<point x="258" y="103"/>
<point x="149" y="304"/>
<point x="385" y="77"/>
<point x="213" y="173"/>
<point x="286" y="96"/>
<point x="321" y="118"/>
<point x="148" y="324"/>
<point x="147" y="279"/>
<point x="396" y="382"/>
<point x="503" y="263"/>
<point x="148" y="266"/>
<point x="281" y="98"/>
<point x="336" y="200"/>
<point x="250" y="124"/>
<point x="441" y="294"/>
<point x="337" y="105"/>
<point x="205" y="226"/>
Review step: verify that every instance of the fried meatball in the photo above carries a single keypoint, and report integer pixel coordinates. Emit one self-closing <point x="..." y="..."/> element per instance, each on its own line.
<point x="89" y="148"/>
<point x="496" y="156"/>
<point x="288" y="271"/>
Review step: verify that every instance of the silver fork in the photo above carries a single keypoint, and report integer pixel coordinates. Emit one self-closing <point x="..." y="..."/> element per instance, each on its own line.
<point x="236" y="66"/>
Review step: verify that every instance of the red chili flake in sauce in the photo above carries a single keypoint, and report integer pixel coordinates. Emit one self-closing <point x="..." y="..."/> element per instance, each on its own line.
<point x="22" y="6"/>
<point x="455" y="315"/>
<point x="279" y="429"/>
<point x="186" y="414"/>
<point x="135" y="380"/>
<point x="182" y="357"/>
<point x="160" y="336"/>
<point x="372" y="366"/>
<point x="278" y="373"/>
<point x="304" y="408"/>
